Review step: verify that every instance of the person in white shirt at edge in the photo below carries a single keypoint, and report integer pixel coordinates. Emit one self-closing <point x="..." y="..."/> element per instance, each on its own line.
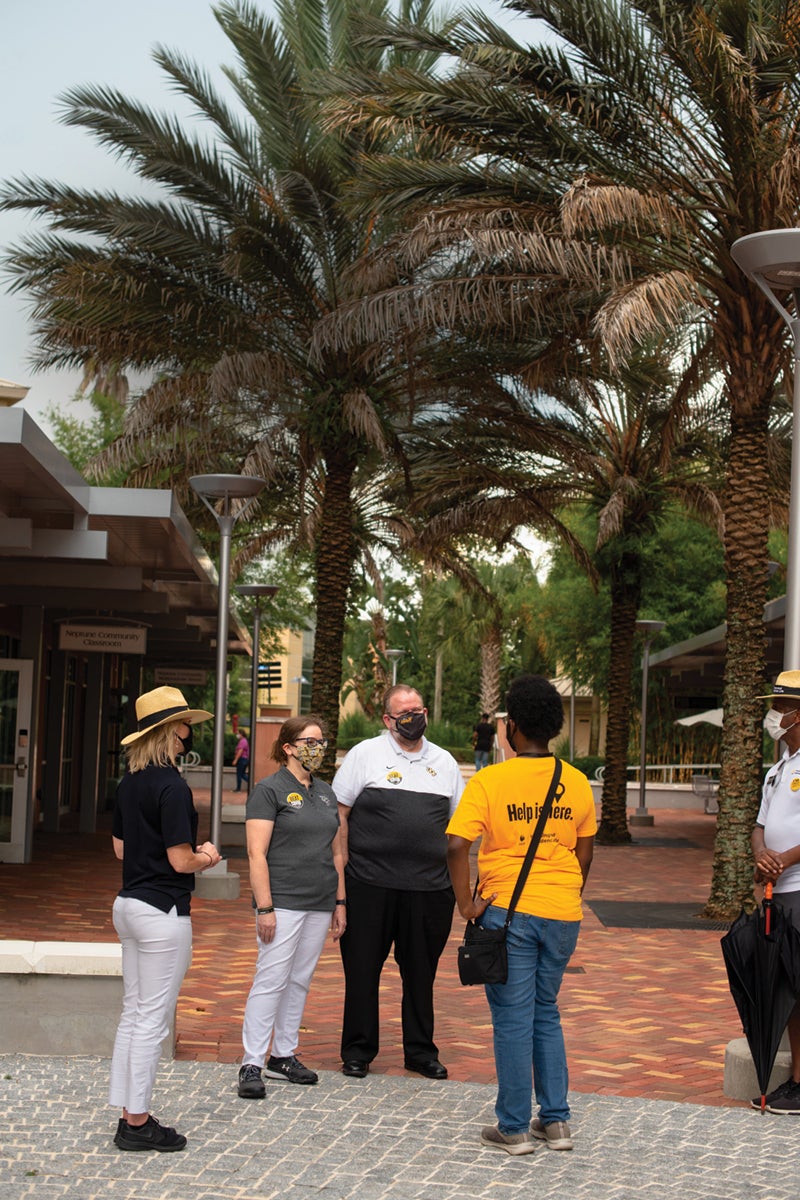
<point x="396" y="793"/>
<point x="776" y="849"/>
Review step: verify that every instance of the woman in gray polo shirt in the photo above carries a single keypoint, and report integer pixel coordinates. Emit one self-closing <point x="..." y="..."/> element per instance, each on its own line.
<point x="297" y="877"/>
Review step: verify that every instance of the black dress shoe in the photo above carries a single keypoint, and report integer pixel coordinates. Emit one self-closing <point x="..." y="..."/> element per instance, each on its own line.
<point x="431" y="1068"/>
<point x="355" y="1068"/>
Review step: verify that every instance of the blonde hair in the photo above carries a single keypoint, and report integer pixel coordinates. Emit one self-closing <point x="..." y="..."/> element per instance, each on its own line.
<point x="156" y="747"/>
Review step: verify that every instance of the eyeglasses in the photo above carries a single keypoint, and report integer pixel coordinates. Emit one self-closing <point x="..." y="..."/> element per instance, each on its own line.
<point x="312" y="743"/>
<point x="410" y="712"/>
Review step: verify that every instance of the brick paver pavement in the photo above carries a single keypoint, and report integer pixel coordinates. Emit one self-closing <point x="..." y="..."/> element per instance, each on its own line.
<point x="646" y="1013"/>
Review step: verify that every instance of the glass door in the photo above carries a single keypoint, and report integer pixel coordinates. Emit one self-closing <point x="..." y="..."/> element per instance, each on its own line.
<point x="16" y="677"/>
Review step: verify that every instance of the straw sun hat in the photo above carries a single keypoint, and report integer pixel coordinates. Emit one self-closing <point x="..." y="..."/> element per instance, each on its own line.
<point x="159" y="706"/>
<point x="786" y="685"/>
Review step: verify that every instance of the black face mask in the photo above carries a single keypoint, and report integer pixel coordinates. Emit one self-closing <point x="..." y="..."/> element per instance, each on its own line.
<point x="187" y="741"/>
<point x="411" y="726"/>
<point x="510" y="736"/>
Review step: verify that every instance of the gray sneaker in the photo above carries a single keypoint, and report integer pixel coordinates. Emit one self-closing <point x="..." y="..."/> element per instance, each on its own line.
<point x="512" y="1143"/>
<point x="555" y="1133"/>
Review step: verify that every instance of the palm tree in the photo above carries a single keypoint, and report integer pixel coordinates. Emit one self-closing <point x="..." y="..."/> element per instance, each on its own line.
<point x="619" y="158"/>
<point x="622" y="449"/>
<point x="214" y="281"/>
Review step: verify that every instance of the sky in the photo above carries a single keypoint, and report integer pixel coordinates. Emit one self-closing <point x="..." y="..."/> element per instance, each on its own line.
<point x="48" y="47"/>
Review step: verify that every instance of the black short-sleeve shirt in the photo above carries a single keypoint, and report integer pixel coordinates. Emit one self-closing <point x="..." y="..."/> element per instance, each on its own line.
<point x="154" y="810"/>
<point x="301" y="872"/>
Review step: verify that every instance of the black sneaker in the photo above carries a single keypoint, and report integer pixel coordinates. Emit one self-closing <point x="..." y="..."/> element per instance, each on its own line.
<point x="788" y="1103"/>
<point x="150" y="1136"/>
<point x="120" y="1126"/>
<point x="290" y="1069"/>
<point x="777" y="1094"/>
<point x="251" y="1085"/>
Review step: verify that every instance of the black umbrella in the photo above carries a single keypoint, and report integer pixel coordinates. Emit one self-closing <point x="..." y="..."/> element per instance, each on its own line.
<point x="762" y="958"/>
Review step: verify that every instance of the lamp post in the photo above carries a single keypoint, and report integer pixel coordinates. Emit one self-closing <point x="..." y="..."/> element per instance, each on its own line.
<point x="258" y="592"/>
<point x="649" y="629"/>
<point x="772" y="260"/>
<point x="218" y="493"/>
<point x="394" y="655"/>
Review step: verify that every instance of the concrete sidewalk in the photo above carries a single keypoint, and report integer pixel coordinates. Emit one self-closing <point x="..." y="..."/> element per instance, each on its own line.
<point x="382" y="1138"/>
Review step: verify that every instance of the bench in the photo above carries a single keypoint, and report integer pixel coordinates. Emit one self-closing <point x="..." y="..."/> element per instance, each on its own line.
<point x="62" y="998"/>
<point x="706" y="788"/>
<point x="232" y="825"/>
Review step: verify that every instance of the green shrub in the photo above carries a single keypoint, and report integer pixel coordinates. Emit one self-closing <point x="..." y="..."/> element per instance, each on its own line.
<point x="356" y="727"/>
<point x="588" y="763"/>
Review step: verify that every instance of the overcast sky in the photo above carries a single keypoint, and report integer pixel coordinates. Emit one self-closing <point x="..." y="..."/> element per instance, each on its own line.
<point x="48" y="47"/>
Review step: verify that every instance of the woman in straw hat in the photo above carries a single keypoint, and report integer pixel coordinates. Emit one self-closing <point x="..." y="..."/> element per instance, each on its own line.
<point x="154" y="833"/>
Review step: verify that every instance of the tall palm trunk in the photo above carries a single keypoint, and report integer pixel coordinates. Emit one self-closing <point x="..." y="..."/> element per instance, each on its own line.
<point x="746" y="525"/>
<point x="625" y="599"/>
<point x="491" y="652"/>
<point x="335" y="557"/>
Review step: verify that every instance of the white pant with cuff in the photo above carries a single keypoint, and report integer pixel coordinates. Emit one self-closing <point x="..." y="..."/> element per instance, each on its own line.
<point x="156" y="953"/>
<point x="277" y="998"/>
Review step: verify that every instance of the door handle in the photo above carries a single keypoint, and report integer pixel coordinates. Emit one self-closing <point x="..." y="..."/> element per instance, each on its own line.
<point x="22" y="766"/>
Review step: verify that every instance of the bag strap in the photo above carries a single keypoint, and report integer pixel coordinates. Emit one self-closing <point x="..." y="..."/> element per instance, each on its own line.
<point x="534" y="842"/>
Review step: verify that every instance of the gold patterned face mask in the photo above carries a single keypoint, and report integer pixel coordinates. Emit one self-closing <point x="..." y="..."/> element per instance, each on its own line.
<point x="310" y="757"/>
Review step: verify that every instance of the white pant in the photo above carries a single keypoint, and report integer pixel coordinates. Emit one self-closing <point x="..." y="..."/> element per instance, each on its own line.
<point x="156" y="952"/>
<point x="277" y="998"/>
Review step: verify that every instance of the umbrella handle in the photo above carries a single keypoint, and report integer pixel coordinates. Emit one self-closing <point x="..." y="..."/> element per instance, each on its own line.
<point x="768" y="908"/>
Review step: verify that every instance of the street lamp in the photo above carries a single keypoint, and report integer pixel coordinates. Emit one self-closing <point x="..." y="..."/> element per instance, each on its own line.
<point x="394" y="655"/>
<point x="258" y="592"/>
<point x="218" y="493"/>
<point x="772" y="260"/>
<point x="649" y="630"/>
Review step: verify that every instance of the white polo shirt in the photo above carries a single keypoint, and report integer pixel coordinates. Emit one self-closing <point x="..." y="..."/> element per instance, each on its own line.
<point x="780" y="814"/>
<point x="400" y="802"/>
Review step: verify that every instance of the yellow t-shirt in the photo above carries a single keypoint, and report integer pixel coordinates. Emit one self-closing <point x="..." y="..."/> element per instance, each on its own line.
<point x="501" y="805"/>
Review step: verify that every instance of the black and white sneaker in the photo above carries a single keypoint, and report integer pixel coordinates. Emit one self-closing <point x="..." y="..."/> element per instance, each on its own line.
<point x="290" y="1069"/>
<point x="150" y="1136"/>
<point x="251" y="1085"/>
<point x="785" y="1101"/>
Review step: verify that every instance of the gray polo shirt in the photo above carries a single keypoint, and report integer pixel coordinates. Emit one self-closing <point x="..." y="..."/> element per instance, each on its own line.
<point x="301" y="871"/>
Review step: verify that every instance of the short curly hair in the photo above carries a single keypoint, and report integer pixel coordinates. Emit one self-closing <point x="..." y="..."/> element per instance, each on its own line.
<point x="535" y="707"/>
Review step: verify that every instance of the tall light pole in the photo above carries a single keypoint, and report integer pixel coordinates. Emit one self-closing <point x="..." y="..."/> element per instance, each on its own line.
<point x="649" y="629"/>
<point x="219" y="493"/>
<point x="394" y="655"/>
<point x="258" y="592"/>
<point x="772" y="260"/>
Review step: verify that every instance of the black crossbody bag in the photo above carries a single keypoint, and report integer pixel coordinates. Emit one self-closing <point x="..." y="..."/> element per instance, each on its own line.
<point x="483" y="954"/>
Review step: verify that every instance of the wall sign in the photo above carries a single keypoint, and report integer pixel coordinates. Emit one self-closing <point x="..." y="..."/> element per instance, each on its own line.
<point x="103" y="639"/>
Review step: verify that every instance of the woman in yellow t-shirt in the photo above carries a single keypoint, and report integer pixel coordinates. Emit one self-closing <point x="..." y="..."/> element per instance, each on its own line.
<point x="500" y="806"/>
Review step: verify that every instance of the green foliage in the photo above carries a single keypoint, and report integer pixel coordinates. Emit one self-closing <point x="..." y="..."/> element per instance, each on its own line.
<point x="588" y="763"/>
<point x="83" y="440"/>
<point x="354" y="728"/>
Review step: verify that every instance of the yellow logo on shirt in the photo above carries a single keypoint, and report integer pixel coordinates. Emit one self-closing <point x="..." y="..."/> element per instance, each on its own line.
<point x="294" y="800"/>
<point x="431" y="771"/>
<point x="795" y="784"/>
<point x="394" y="777"/>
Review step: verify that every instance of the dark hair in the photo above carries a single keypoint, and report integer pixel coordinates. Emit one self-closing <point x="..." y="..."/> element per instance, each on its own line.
<point x="484" y="716"/>
<point x="290" y="731"/>
<point x="394" y="690"/>
<point x="535" y="707"/>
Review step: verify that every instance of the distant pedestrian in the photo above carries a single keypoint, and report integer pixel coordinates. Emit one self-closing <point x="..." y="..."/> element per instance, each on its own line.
<point x="153" y="832"/>
<point x="396" y="793"/>
<point x="500" y="806"/>
<point x="241" y="760"/>
<point x="483" y="741"/>
<point x="297" y="878"/>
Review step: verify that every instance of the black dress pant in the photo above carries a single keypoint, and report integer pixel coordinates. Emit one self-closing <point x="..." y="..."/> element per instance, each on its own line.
<point x="419" y="925"/>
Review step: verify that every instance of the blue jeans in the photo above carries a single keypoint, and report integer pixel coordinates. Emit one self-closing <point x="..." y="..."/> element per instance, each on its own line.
<point x="481" y="759"/>
<point x="526" y="1020"/>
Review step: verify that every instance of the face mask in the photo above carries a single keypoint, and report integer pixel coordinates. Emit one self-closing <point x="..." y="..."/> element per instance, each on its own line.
<point x="186" y="742"/>
<point x="411" y="726"/>
<point x="772" y="723"/>
<point x="510" y="736"/>
<point x="309" y="757"/>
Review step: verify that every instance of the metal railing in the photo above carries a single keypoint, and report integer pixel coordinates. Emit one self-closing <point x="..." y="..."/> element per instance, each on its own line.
<point x="667" y="772"/>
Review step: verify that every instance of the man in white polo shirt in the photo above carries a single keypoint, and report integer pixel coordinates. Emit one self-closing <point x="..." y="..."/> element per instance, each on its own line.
<point x="776" y="848"/>
<point x="396" y="794"/>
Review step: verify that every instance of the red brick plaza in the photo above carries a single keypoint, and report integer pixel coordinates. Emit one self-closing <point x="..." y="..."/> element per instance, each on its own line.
<point x="646" y="1012"/>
